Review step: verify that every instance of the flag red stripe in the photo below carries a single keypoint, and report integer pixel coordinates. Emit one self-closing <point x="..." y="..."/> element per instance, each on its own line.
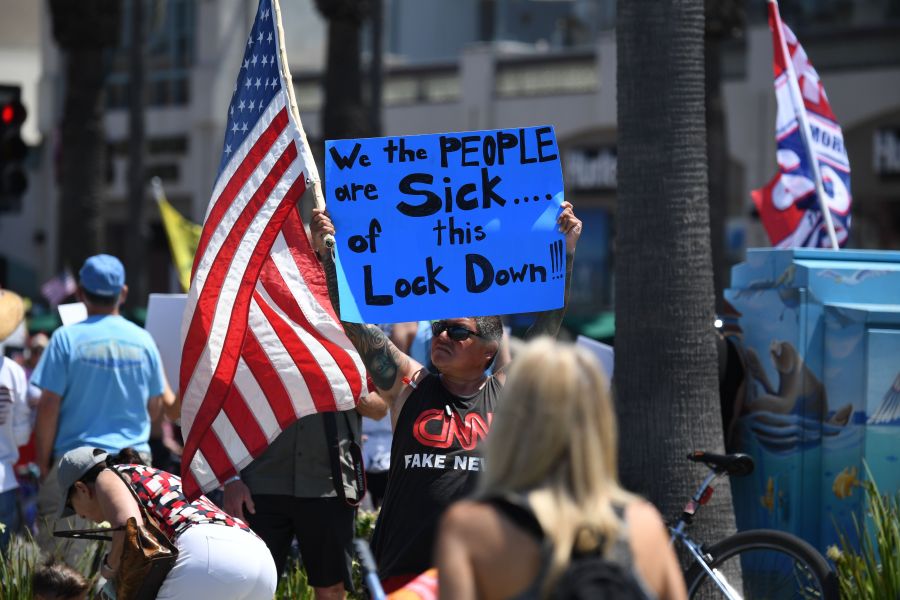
<point x="264" y="372"/>
<point x="223" y="376"/>
<point x="256" y="154"/>
<point x="278" y="290"/>
<point x="205" y="310"/>
<point x="245" y="424"/>
<point x="189" y="484"/>
<point x="312" y="373"/>
<point x="307" y="263"/>
<point x="214" y="452"/>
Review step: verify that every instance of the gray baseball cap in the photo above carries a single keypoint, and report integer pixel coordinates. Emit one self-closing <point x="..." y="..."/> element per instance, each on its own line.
<point x="73" y="466"/>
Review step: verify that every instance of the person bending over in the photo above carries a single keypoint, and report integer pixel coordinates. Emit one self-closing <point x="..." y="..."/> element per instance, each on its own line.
<point x="218" y="556"/>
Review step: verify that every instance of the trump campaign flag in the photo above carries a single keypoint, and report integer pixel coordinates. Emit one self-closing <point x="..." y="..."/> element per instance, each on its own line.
<point x="261" y="345"/>
<point x="813" y="168"/>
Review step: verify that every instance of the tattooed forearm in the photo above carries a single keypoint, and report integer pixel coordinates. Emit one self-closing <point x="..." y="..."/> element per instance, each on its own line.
<point x="549" y="322"/>
<point x="382" y="359"/>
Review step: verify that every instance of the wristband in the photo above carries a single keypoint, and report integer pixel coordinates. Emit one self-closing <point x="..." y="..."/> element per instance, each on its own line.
<point x="229" y="480"/>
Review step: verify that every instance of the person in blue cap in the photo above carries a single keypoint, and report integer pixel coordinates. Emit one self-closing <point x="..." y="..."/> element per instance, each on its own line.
<point x="100" y="380"/>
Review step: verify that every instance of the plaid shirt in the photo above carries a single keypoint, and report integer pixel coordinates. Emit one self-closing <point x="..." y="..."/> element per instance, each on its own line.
<point x="160" y="494"/>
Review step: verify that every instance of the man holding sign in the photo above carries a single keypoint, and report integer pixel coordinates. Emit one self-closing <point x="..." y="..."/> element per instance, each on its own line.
<point x="439" y="420"/>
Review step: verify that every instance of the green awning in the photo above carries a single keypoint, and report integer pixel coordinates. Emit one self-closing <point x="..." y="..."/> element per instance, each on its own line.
<point x="45" y="322"/>
<point x="601" y="326"/>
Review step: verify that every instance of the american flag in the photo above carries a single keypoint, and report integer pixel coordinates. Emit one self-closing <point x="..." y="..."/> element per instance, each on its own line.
<point x="789" y="205"/>
<point x="58" y="288"/>
<point x="261" y="343"/>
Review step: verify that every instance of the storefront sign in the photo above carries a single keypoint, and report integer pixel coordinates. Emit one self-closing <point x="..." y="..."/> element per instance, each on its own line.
<point x="886" y="152"/>
<point x="590" y="169"/>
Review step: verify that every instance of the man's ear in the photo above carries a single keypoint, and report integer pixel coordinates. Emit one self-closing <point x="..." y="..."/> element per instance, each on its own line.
<point x="123" y="294"/>
<point x="493" y="348"/>
<point x="81" y="486"/>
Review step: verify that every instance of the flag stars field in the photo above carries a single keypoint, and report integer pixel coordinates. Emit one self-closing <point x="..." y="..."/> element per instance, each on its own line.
<point x="295" y="359"/>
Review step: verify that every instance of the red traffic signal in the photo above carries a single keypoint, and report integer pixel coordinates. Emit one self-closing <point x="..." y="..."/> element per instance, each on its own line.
<point x="13" y="113"/>
<point x="13" y="150"/>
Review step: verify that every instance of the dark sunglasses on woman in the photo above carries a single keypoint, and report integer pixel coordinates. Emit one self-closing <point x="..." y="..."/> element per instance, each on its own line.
<point x="457" y="333"/>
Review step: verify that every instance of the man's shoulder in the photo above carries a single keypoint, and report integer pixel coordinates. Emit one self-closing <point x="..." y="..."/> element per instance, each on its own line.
<point x="127" y="330"/>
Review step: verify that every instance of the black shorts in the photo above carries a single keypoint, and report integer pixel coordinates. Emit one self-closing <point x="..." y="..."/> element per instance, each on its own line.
<point x="324" y="528"/>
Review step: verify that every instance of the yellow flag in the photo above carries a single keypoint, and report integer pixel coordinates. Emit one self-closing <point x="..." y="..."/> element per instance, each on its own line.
<point x="183" y="236"/>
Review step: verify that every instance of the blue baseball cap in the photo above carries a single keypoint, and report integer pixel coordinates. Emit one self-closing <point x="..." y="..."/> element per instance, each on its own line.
<point x="102" y="275"/>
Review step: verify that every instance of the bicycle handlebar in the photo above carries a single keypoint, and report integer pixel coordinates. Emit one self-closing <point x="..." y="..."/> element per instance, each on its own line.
<point x="736" y="465"/>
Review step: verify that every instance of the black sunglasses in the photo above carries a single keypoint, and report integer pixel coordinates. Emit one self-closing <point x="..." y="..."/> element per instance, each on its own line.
<point x="457" y="333"/>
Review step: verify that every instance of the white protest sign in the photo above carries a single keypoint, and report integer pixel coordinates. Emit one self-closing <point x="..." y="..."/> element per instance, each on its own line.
<point x="164" y="324"/>
<point x="76" y="312"/>
<point x="604" y="353"/>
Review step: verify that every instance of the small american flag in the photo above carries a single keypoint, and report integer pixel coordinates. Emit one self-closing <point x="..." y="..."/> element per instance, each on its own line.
<point x="262" y="346"/>
<point x="58" y="288"/>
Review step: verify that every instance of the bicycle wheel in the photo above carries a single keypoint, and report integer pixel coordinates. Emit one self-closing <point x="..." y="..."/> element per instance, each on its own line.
<point x="773" y="564"/>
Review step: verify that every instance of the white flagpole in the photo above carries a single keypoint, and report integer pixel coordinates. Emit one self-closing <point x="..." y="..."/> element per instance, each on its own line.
<point x="312" y="179"/>
<point x="805" y="132"/>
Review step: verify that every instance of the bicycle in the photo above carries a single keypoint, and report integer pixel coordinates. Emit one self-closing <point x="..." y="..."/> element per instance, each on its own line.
<point x="773" y="564"/>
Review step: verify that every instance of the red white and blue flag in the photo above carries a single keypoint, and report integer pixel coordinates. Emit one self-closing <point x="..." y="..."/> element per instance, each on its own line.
<point x="58" y="288"/>
<point x="261" y="344"/>
<point x="789" y="204"/>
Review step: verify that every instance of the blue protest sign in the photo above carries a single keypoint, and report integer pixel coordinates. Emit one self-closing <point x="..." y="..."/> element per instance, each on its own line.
<point x="447" y="225"/>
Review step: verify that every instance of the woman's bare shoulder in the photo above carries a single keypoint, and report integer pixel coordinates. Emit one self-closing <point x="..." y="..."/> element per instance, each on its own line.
<point x="640" y="512"/>
<point x="468" y="516"/>
<point x="653" y="554"/>
<point x="645" y="525"/>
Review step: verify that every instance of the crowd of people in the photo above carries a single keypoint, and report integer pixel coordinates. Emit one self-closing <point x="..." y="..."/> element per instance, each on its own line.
<point x="501" y="473"/>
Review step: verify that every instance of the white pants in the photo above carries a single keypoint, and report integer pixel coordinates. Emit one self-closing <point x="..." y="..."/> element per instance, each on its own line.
<point x="225" y="563"/>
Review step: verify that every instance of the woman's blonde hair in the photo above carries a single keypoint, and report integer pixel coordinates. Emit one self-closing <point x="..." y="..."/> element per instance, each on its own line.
<point x="554" y="438"/>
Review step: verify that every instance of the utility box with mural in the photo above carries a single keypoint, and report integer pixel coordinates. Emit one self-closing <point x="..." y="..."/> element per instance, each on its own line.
<point x="819" y="332"/>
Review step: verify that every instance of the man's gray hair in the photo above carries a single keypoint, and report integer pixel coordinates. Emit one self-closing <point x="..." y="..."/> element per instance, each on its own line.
<point x="490" y="328"/>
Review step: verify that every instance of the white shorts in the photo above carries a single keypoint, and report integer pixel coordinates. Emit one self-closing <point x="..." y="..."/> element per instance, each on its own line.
<point x="216" y="561"/>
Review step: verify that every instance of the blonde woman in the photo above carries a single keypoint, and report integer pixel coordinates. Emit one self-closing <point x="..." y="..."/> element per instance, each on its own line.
<point x="550" y="492"/>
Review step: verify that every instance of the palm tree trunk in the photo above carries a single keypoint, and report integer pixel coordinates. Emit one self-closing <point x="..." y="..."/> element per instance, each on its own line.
<point x="344" y="114"/>
<point x="83" y="30"/>
<point x="136" y="243"/>
<point x="725" y="19"/>
<point x="665" y="374"/>
<point x="717" y="155"/>
<point x="81" y="223"/>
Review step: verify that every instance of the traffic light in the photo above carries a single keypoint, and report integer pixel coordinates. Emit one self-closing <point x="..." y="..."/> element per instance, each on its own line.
<point x="13" y="179"/>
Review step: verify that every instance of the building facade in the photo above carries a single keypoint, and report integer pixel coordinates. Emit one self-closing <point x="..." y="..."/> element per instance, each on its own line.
<point x="480" y="64"/>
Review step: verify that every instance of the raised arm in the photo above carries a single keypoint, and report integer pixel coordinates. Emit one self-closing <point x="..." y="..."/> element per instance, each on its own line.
<point x="385" y="363"/>
<point x="548" y="322"/>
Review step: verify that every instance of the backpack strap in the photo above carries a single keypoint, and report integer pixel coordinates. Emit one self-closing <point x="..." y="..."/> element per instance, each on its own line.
<point x="620" y="552"/>
<point x="517" y="509"/>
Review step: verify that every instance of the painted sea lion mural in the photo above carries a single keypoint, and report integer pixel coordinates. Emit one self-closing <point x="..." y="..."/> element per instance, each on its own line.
<point x="799" y="390"/>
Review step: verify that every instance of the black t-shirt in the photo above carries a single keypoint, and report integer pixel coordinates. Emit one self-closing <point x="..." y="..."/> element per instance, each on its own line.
<point x="435" y="459"/>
